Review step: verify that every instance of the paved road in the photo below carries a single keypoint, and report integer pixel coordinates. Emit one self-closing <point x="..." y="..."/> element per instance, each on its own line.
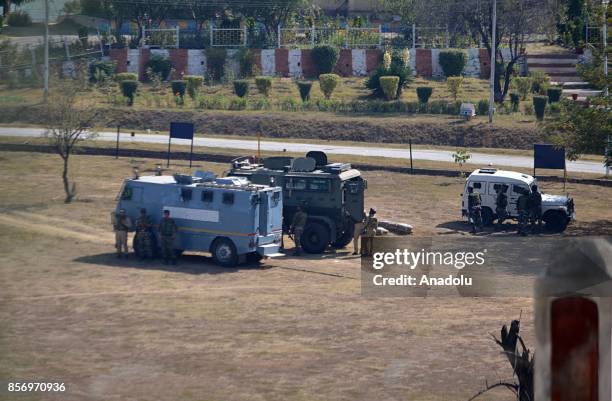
<point x="480" y="159"/>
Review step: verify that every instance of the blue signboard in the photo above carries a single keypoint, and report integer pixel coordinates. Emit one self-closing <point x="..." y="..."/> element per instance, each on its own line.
<point x="181" y="130"/>
<point x="548" y="156"/>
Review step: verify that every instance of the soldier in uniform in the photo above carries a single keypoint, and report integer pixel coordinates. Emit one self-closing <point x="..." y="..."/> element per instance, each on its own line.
<point x="144" y="240"/>
<point x="535" y="207"/>
<point x="121" y="226"/>
<point x="358" y="232"/>
<point x="474" y="211"/>
<point x="369" y="231"/>
<point x="167" y="231"/>
<point x="297" y="228"/>
<point x="522" y="206"/>
<point x="501" y="205"/>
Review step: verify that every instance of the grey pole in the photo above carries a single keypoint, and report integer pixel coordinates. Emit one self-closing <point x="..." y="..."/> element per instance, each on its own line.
<point x="46" y="67"/>
<point x="493" y="51"/>
<point x="605" y="44"/>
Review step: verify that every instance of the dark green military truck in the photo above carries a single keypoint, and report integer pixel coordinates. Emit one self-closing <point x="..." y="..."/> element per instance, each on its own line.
<point x="332" y="194"/>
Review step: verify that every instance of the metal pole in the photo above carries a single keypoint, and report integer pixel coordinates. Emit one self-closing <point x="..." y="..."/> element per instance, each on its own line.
<point x="46" y="67"/>
<point x="211" y="34"/>
<point x="259" y="145"/>
<point x="117" y="147"/>
<point x="278" y="36"/>
<point x="410" y="144"/>
<point x="191" y="153"/>
<point x="493" y="51"/>
<point x="169" y="141"/>
<point x="414" y="36"/>
<point x="605" y="44"/>
<point x="244" y="31"/>
<point x="178" y="37"/>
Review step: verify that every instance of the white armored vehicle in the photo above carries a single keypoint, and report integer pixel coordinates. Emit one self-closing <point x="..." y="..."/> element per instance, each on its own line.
<point x="557" y="210"/>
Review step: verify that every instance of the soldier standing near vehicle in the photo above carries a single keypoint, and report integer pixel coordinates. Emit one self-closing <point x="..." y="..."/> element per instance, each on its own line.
<point x="144" y="240"/>
<point x="297" y="228"/>
<point x="535" y="207"/>
<point x="369" y="231"/>
<point x="522" y="206"/>
<point x="358" y="232"/>
<point x="501" y="204"/>
<point x="167" y="231"/>
<point x="474" y="211"/>
<point x="121" y="226"/>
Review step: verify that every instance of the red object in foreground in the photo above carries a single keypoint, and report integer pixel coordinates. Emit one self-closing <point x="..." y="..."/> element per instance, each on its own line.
<point x="575" y="350"/>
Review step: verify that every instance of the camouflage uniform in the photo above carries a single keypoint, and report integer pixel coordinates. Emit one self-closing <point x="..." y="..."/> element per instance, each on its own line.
<point x="167" y="232"/>
<point x="144" y="240"/>
<point x="369" y="231"/>
<point x="474" y="211"/>
<point x="535" y="208"/>
<point x="501" y="207"/>
<point x="522" y="206"/>
<point x="121" y="226"/>
<point x="357" y="233"/>
<point x="297" y="227"/>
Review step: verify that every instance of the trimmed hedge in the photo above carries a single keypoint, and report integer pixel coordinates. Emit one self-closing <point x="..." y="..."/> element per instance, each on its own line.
<point x="264" y="85"/>
<point x="129" y="88"/>
<point x="539" y="106"/>
<point x="160" y="65"/>
<point x="304" y="88"/>
<point x="178" y="88"/>
<point x="215" y="60"/>
<point x="522" y="85"/>
<point x="452" y="62"/>
<point x="424" y="93"/>
<point x="325" y="58"/>
<point x="246" y="62"/>
<point x="554" y="94"/>
<point x="389" y="86"/>
<point x="126" y="76"/>
<point x="482" y="108"/>
<point x="241" y="87"/>
<point x="18" y="18"/>
<point x="398" y="68"/>
<point x="194" y="83"/>
<point x="328" y="83"/>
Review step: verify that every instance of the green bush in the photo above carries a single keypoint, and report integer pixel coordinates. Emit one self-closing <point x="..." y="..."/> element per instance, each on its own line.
<point x="241" y="87"/>
<point x="325" y="58"/>
<point x="264" y="85"/>
<point x="389" y="86"/>
<point x="452" y="62"/>
<point x="304" y="88"/>
<point x="515" y="100"/>
<point x="18" y="18"/>
<point x="328" y="83"/>
<point x="246" y="62"/>
<point x="398" y="68"/>
<point x="540" y="81"/>
<point x="194" y="83"/>
<point x="160" y="65"/>
<point x="178" y="88"/>
<point x="522" y="86"/>
<point x="126" y="76"/>
<point x="539" y="106"/>
<point x="424" y="93"/>
<point x="554" y="94"/>
<point x="99" y="70"/>
<point x="128" y="88"/>
<point x="215" y="60"/>
<point x="482" y="108"/>
<point x="454" y="86"/>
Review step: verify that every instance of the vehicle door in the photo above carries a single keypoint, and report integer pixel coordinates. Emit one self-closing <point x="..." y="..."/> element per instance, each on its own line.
<point x="353" y="197"/>
<point x="493" y="193"/>
<point x="513" y="195"/>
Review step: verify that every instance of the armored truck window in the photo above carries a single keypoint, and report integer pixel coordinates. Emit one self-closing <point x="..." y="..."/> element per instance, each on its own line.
<point x="477" y="185"/>
<point x="228" y="198"/>
<point x="185" y="194"/>
<point x="207" y="196"/>
<point x="126" y="194"/>
<point x="319" y="185"/>
<point x="518" y="189"/>
<point x="296" y="183"/>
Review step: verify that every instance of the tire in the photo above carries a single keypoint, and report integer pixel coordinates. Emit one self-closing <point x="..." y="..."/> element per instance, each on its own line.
<point x="555" y="221"/>
<point x="315" y="237"/>
<point x="487" y="216"/>
<point x="345" y="237"/>
<point x="224" y="252"/>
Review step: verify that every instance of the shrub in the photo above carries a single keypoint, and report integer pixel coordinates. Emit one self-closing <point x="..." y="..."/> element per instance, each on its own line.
<point x="178" y="88"/>
<point x="241" y="87"/>
<point x="522" y="85"/>
<point x="18" y="18"/>
<point x="194" y="83"/>
<point x="325" y="58"/>
<point x="424" y="93"/>
<point x="539" y="82"/>
<point x="1" y="23"/>
<point x="246" y="62"/>
<point x="398" y="68"/>
<point x="304" y="88"/>
<point x="126" y="76"/>
<point x="99" y="70"/>
<point x="264" y="85"/>
<point x="128" y="88"/>
<point x="215" y="60"/>
<point x="389" y="86"/>
<point x="160" y="65"/>
<point x="452" y="62"/>
<point x="482" y="108"/>
<point x="454" y="86"/>
<point x="539" y="106"/>
<point x="515" y="99"/>
<point x="554" y="94"/>
<point x="328" y="83"/>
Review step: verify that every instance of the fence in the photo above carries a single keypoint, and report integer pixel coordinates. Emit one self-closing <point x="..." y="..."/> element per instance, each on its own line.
<point x="161" y="37"/>
<point x="593" y="35"/>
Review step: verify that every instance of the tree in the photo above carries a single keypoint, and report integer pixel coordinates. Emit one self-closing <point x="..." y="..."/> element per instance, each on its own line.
<point x="273" y="13"/>
<point x="6" y="5"/>
<point x="67" y="125"/>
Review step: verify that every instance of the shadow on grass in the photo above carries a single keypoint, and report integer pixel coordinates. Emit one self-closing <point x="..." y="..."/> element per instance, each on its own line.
<point x="508" y="229"/>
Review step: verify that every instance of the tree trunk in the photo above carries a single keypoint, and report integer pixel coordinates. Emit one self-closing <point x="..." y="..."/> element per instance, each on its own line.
<point x="6" y="7"/>
<point x="67" y="187"/>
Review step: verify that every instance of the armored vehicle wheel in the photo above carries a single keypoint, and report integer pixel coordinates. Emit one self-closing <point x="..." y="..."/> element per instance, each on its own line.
<point x="487" y="216"/>
<point x="224" y="252"/>
<point x="315" y="237"/>
<point x="345" y="238"/>
<point x="555" y="221"/>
